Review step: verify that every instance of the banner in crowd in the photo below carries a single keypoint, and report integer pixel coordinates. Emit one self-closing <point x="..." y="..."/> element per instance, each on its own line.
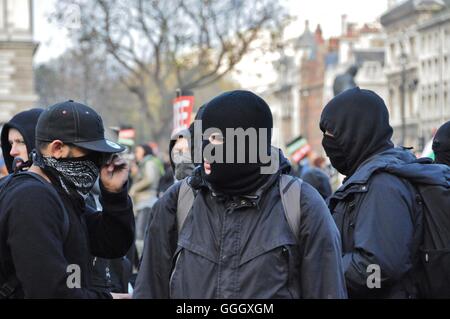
<point x="127" y="136"/>
<point x="182" y="112"/>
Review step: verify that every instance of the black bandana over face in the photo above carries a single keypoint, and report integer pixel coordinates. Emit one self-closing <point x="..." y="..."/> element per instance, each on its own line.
<point x="76" y="176"/>
<point x="237" y="110"/>
<point x="359" y="122"/>
<point x="441" y="145"/>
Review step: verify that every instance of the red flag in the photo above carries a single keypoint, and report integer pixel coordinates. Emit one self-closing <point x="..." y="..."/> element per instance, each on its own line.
<point x="182" y="112"/>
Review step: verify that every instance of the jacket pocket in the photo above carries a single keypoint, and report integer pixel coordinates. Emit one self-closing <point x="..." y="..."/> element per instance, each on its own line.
<point x="436" y="273"/>
<point x="271" y="269"/>
<point x="193" y="274"/>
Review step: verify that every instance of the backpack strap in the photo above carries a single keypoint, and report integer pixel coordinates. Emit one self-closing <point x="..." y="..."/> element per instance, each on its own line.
<point x="290" y="191"/>
<point x="66" y="221"/>
<point x="9" y="288"/>
<point x="186" y="198"/>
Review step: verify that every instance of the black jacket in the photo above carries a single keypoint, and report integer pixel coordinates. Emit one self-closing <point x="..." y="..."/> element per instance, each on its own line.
<point x="377" y="215"/>
<point x="34" y="247"/>
<point x="241" y="248"/>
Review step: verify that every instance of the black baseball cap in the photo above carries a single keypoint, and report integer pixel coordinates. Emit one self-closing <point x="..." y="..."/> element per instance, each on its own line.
<point x="77" y="124"/>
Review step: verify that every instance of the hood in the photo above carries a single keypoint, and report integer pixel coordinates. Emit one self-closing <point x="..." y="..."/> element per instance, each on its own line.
<point x="25" y="122"/>
<point x="441" y="144"/>
<point x="183" y="133"/>
<point x="402" y="163"/>
<point x="359" y="121"/>
<point x="423" y="172"/>
<point x="394" y="156"/>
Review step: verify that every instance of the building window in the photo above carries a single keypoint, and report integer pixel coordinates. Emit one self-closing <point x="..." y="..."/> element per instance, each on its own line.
<point x="412" y="45"/>
<point x="392" y="53"/>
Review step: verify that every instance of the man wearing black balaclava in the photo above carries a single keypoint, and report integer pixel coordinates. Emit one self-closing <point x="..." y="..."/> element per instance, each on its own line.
<point x="375" y="211"/>
<point x="441" y="145"/>
<point x="236" y="241"/>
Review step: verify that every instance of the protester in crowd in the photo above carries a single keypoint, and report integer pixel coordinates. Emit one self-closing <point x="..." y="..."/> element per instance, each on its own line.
<point x="441" y="145"/>
<point x="18" y="137"/>
<point x="375" y="209"/>
<point x="47" y="241"/>
<point x="235" y="240"/>
<point x="146" y="176"/>
<point x="180" y="154"/>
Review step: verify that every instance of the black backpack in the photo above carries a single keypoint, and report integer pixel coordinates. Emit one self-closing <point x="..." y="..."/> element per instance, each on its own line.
<point x="434" y="250"/>
<point x="10" y="284"/>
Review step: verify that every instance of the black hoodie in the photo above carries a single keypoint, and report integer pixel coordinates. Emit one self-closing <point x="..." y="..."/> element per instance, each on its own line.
<point x="25" y="122"/>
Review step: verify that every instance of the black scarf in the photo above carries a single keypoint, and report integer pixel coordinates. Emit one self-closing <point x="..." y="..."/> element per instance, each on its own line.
<point x="359" y="121"/>
<point x="75" y="176"/>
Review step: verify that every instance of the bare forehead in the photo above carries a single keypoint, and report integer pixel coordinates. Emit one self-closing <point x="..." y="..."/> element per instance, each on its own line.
<point x="14" y="134"/>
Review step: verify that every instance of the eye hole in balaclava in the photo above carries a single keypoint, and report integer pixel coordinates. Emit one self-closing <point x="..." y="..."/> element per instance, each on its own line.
<point x="235" y="168"/>
<point x="359" y="122"/>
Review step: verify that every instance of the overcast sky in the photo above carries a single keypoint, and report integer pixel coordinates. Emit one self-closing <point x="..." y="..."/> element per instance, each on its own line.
<point x="328" y="13"/>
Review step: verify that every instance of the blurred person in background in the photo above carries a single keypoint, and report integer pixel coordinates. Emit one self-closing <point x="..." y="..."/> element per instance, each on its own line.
<point x="18" y="137"/>
<point x="146" y="173"/>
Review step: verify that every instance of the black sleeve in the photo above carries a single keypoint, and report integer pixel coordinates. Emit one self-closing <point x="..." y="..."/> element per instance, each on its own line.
<point x="152" y="281"/>
<point x="111" y="232"/>
<point x="383" y="235"/>
<point x="35" y="239"/>
<point x="322" y="274"/>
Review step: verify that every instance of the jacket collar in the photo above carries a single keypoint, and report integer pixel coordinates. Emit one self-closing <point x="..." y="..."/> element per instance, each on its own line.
<point x="357" y="183"/>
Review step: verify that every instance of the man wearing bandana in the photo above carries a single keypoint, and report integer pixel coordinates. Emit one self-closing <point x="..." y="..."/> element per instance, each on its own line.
<point x="48" y="233"/>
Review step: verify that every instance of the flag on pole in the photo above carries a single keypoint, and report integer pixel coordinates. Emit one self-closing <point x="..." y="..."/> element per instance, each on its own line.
<point x="127" y="136"/>
<point x="428" y="151"/>
<point x="298" y="149"/>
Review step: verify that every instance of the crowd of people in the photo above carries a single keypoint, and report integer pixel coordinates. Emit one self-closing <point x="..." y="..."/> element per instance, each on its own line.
<point x="229" y="216"/>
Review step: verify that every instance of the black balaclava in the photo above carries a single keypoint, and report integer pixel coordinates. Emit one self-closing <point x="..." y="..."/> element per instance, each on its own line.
<point x="359" y="121"/>
<point x="25" y="122"/>
<point x="238" y="109"/>
<point x="441" y="145"/>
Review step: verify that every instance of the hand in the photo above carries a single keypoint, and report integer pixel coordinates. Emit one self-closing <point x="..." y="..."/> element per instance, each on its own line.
<point x="121" y="296"/>
<point x="114" y="174"/>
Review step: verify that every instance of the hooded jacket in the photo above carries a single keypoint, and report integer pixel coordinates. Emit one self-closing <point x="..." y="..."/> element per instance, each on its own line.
<point x="380" y="220"/>
<point x="241" y="248"/>
<point x="25" y="122"/>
